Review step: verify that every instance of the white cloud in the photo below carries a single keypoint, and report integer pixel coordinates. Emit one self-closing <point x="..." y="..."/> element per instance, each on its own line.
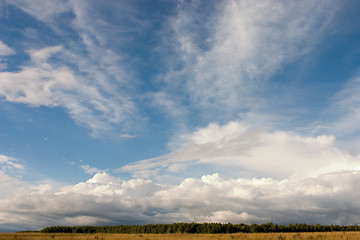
<point x="311" y="190"/>
<point x="330" y="198"/>
<point x="9" y="163"/>
<point x="229" y="216"/>
<point x="43" y="10"/>
<point x="342" y="116"/>
<point x="90" y="170"/>
<point x="4" y="51"/>
<point x="166" y="103"/>
<point x="253" y="151"/>
<point x="10" y="178"/>
<point x="44" y="83"/>
<point x="126" y="136"/>
<point x="214" y="133"/>
<point x="83" y="75"/>
<point x="345" y="109"/>
<point x="9" y="184"/>
<point x="224" y="56"/>
<point x="281" y="176"/>
<point x="40" y="56"/>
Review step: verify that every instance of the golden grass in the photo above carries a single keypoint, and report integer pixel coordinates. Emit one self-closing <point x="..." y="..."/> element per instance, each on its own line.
<point x="234" y="236"/>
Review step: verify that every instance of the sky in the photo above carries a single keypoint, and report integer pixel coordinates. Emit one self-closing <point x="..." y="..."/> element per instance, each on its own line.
<point x="139" y="112"/>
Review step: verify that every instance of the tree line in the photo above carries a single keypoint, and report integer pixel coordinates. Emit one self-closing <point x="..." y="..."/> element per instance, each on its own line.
<point x="201" y="228"/>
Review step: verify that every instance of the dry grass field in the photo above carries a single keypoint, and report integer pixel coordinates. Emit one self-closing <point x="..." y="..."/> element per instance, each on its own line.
<point x="245" y="236"/>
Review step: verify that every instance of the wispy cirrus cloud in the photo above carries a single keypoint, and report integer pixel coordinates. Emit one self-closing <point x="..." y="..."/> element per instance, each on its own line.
<point x="342" y="116"/>
<point x="218" y="59"/>
<point x="223" y="56"/>
<point x="81" y="75"/>
<point x="44" y="83"/>
<point x="344" y="110"/>
<point x="43" y="10"/>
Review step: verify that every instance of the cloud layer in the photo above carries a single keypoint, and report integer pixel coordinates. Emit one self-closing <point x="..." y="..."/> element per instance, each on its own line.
<point x="243" y="150"/>
<point x="104" y="199"/>
<point x="293" y="179"/>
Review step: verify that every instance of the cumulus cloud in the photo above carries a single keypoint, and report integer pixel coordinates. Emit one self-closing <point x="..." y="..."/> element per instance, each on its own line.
<point x="329" y="198"/>
<point x="239" y="147"/>
<point x="106" y="199"/>
<point x="10" y="178"/>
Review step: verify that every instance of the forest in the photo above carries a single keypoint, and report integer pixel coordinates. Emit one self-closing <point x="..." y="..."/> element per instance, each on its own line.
<point x="201" y="228"/>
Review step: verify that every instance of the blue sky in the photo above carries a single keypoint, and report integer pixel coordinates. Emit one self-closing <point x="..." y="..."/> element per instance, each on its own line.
<point x="123" y="112"/>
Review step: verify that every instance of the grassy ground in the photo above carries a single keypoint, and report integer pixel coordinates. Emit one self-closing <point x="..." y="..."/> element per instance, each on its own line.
<point x="245" y="236"/>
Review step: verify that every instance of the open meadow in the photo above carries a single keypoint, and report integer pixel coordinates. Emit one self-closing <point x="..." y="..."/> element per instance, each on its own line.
<point x="181" y="236"/>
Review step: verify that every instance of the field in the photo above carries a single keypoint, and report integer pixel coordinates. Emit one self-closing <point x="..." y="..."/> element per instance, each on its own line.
<point x="245" y="236"/>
